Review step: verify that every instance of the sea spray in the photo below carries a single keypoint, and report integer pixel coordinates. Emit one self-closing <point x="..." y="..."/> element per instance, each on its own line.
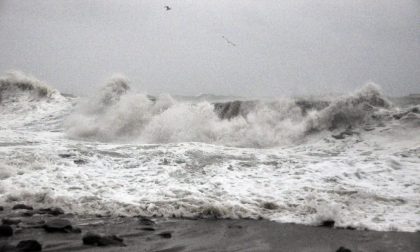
<point x="120" y="115"/>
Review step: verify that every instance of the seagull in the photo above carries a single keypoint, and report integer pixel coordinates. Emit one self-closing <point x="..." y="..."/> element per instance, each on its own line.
<point x="167" y="8"/>
<point x="228" y="41"/>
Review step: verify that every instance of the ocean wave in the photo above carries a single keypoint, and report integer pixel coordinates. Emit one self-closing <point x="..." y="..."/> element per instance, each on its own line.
<point x="17" y="85"/>
<point x="118" y="114"/>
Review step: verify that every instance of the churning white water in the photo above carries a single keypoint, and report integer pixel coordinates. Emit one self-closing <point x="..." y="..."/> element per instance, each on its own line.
<point x="353" y="158"/>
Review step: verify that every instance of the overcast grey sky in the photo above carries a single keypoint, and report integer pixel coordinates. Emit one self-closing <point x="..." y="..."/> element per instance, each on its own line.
<point x="243" y="47"/>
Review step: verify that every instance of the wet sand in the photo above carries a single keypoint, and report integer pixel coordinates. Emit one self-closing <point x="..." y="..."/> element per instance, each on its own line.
<point x="201" y="235"/>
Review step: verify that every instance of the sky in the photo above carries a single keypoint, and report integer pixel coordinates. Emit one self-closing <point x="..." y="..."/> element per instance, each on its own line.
<point x="225" y="47"/>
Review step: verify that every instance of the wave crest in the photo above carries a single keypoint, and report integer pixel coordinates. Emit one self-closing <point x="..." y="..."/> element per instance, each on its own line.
<point x="351" y="110"/>
<point x="118" y="114"/>
<point x="15" y="85"/>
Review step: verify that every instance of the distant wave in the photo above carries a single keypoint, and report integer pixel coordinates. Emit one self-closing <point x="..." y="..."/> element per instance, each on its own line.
<point x="16" y="85"/>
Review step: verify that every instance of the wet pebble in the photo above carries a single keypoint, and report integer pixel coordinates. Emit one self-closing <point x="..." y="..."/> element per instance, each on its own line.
<point x="29" y="246"/>
<point x="343" y="249"/>
<point x="166" y="235"/>
<point x="148" y="229"/>
<point x="65" y="155"/>
<point x="80" y="161"/>
<point x="6" y="231"/>
<point x="328" y="223"/>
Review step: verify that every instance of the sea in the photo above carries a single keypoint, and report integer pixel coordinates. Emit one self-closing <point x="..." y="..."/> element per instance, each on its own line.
<point x="352" y="158"/>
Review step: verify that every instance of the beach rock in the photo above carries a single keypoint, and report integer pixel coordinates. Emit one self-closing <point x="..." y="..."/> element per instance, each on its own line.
<point x="80" y="161"/>
<point x="235" y="226"/>
<point x="145" y="221"/>
<point x="29" y="246"/>
<point x="51" y="211"/>
<point x="6" y="231"/>
<point x="60" y="226"/>
<point x="327" y="223"/>
<point x="270" y="205"/>
<point x="102" y="240"/>
<point x="22" y="206"/>
<point x="165" y="235"/>
<point x="65" y="155"/>
<point x="343" y="249"/>
<point x="11" y="221"/>
<point x="148" y="229"/>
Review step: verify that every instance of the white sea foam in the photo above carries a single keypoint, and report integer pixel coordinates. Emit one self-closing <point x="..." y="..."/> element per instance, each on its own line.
<point x="160" y="156"/>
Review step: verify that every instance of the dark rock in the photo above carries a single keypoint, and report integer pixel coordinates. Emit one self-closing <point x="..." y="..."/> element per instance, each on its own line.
<point x="166" y="235"/>
<point x="6" y="231"/>
<point x="343" y="249"/>
<point x="22" y="206"/>
<point x="60" y="226"/>
<point x="270" y="205"/>
<point x="52" y="211"/>
<point x="80" y="161"/>
<point x="148" y="229"/>
<point x="1" y="208"/>
<point x="65" y="155"/>
<point x="29" y="246"/>
<point x="102" y="240"/>
<point x="145" y="221"/>
<point x="327" y="223"/>
<point x="11" y="221"/>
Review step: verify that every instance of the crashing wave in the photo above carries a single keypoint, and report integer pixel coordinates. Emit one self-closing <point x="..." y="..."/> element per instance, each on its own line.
<point x="118" y="114"/>
<point x="16" y="85"/>
<point x="30" y="103"/>
<point x="362" y="107"/>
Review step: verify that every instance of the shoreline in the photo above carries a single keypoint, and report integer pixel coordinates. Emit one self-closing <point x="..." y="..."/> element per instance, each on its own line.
<point x="174" y="234"/>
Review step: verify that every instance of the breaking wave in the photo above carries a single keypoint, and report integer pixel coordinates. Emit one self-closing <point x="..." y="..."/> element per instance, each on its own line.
<point x="118" y="114"/>
<point x="16" y="86"/>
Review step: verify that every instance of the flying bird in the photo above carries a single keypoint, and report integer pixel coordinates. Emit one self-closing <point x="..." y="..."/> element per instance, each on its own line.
<point x="228" y="41"/>
<point x="167" y="8"/>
